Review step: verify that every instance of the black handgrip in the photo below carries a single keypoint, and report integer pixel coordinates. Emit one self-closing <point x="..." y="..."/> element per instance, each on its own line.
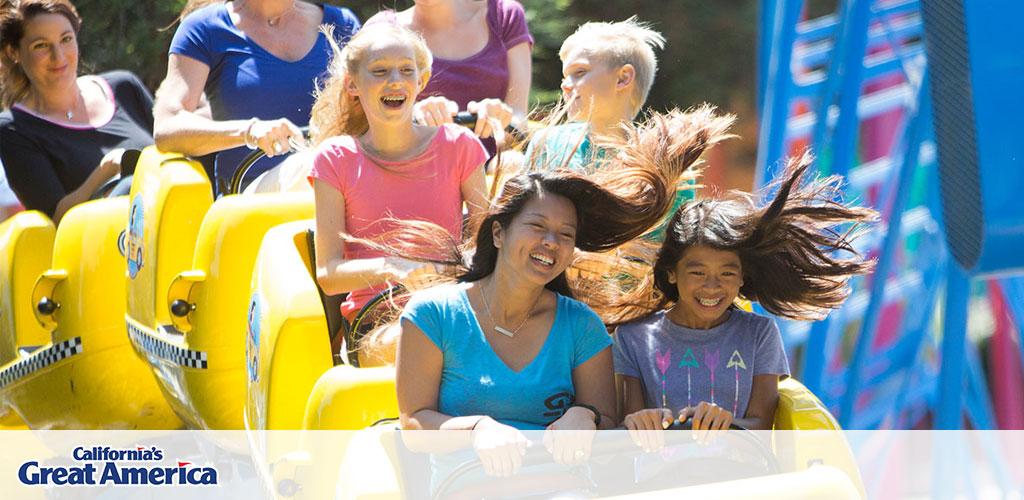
<point x="180" y="308"/>
<point x="46" y="306"/>
<point x="688" y="425"/>
<point x="465" y="118"/>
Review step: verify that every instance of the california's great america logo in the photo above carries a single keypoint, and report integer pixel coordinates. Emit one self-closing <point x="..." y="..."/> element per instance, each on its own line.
<point x="102" y="465"/>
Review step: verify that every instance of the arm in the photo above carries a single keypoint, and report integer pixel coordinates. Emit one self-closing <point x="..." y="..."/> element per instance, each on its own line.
<point x="595" y="386"/>
<point x="418" y="382"/>
<point x="334" y="273"/>
<point x="109" y="166"/>
<point x="182" y="122"/>
<point x="519" y="72"/>
<point x="33" y="178"/>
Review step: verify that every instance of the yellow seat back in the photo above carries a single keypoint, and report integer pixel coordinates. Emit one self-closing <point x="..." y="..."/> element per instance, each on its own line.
<point x="287" y="346"/>
<point x="170" y="195"/>
<point x="26" y="246"/>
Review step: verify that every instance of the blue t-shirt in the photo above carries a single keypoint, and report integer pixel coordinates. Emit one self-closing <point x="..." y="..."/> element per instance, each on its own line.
<point x="680" y="367"/>
<point x="246" y="81"/>
<point x="475" y="381"/>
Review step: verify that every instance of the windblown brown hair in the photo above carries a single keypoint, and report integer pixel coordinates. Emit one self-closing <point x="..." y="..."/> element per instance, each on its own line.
<point x="14" y="84"/>
<point x="615" y="205"/>
<point x="791" y="249"/>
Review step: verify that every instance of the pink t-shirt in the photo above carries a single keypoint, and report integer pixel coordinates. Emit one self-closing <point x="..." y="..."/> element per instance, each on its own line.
<point x="426" y="188"/>
<point x="484" y="74"/>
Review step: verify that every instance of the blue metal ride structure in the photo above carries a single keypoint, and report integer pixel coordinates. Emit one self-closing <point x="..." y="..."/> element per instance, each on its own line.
<point x="856" y="86"/>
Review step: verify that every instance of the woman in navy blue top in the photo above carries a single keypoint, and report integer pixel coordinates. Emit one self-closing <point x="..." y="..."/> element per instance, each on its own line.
<point x="256" y="62"/>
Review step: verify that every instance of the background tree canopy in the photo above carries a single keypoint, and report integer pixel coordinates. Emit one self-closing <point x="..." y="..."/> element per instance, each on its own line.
<point x="710" y="54"/>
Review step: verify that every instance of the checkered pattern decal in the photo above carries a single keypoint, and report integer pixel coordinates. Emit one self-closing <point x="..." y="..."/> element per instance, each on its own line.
<point x="39" y="360"/>
<point x="166" y="350"/>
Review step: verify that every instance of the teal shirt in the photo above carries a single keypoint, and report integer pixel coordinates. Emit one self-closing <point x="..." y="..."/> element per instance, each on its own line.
<point x="562" y="146"/>
<point x="475" y="381"/>
<point x="568" y="146"/>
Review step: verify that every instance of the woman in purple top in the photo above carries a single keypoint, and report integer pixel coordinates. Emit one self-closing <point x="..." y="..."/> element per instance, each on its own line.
<point x="481" y="60"/>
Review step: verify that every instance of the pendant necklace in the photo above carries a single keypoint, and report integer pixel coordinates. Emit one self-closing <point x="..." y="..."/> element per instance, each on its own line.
<point x="503" y="331"/>
<point x="272" y="21"/>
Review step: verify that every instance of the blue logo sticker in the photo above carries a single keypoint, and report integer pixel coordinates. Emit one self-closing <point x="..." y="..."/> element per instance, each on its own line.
<point x="134" y="244"/>
<point x="252" y="346"/>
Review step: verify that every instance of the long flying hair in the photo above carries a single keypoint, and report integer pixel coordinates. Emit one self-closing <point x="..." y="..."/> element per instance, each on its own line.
<point x="615" y="205"/>
<point x="14" y="84"/>
<point x="796" y="258"/>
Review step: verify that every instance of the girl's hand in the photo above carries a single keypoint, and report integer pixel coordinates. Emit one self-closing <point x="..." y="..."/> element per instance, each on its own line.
<point x="412" y="274"/>
<point x="569" y="438"/>
<point x="709" y="421"/>
<point x="499" y="446"/>
<point x="647" y="427"/>
<point x="272" y="136"/>
<point x="434" y="111"/>
<point x="492" y="116"/>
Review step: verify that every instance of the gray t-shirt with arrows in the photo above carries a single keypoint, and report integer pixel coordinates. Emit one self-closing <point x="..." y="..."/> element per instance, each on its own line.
<point x="681" y="367"/>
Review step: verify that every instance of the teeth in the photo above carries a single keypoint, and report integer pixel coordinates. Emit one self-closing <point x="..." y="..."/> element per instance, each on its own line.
<point x="392" y="98"/>
<point x="708" y="302"/>
<point x="542" y="258"/>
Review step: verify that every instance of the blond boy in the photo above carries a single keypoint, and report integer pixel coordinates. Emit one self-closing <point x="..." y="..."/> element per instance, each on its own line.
<point x="608" y="70"/>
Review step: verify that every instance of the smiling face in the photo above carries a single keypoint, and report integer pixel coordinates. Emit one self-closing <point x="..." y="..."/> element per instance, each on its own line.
<point x="48" y="52"/>
<point x="388" y="81"/>
<point x="538" y="243"/>
<point x="588" y="84"/>
<point x="708" y="281"/>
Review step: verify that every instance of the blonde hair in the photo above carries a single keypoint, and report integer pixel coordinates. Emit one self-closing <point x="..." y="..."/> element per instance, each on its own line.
<point x="14" y="84"/>
<point x="336" y="112"/>
<point x="618" y="44"/>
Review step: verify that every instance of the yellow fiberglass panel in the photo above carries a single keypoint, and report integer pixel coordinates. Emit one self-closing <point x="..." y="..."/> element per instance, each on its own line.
<point x="26" y="245"/>
<point x="206" y="377"/>
<point x="346" y="397"/>
<point x="810" y="434"/>
<point x="87" y="376"/>
<point x="170" y="195"/>
<point x="287" y="345"/>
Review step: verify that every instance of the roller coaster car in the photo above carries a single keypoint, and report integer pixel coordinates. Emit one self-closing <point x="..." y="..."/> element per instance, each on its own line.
<point x="190" y="258"/>
<point x="67" y="362"/>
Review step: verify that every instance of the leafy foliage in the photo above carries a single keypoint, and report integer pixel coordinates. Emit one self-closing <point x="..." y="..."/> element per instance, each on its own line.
<point x="709" y="56"/>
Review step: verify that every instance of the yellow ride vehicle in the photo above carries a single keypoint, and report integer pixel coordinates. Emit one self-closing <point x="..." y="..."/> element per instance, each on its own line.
<point x="190" y="259"/>
<point x="66" y="359"/>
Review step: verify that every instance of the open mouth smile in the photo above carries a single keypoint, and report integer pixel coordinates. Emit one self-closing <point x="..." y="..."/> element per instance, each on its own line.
<point x="393" y="101"/>
<point x="709" y="303"/>
<point x="542" y="259"/>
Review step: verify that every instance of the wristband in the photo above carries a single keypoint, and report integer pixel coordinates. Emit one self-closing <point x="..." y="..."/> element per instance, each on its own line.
<point x="247" y="135"/>
<point x="597" y="414"/>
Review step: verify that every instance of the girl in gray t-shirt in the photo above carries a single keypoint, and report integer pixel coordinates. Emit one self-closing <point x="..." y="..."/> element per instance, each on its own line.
<point x="701" y="356"/>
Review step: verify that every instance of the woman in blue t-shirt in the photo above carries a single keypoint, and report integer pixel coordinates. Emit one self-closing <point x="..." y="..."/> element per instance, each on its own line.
<point x="508" y="348"/>
<point x="257" y="63"/>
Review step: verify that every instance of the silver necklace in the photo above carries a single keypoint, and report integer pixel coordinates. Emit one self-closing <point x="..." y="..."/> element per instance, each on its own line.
<point x="503" y="331"/>
<point x="274" y="21"/>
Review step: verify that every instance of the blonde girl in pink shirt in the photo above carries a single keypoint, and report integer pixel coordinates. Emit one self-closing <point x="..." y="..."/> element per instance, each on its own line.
<point x="373" y="165"/>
